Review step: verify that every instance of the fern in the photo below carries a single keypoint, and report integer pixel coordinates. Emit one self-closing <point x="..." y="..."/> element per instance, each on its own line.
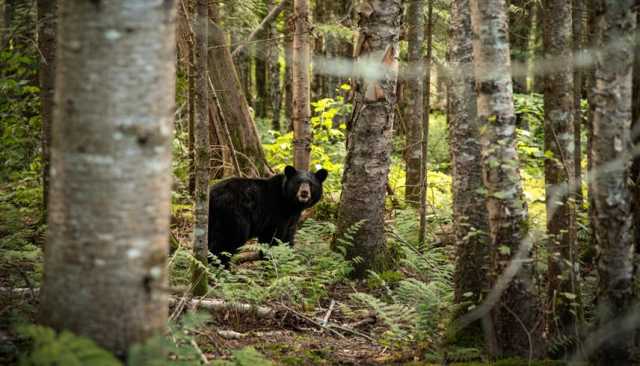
<point x="398" y="317"/>
<point x="65" y="348"/>
<point x="562" y="343"/>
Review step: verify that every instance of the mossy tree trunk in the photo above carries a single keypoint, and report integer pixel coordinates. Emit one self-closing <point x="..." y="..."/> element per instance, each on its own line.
<point x="107" y="240"/>
<point x="370" y="131"/>
<point x="616" y="22"/>
<point x="518" y="306"/>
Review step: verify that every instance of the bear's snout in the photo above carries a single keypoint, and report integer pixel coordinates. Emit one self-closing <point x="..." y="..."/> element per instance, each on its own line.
<point x="304" y="192"/>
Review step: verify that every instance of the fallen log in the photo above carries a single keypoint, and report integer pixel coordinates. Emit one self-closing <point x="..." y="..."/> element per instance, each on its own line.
<point x="222" y="305"/>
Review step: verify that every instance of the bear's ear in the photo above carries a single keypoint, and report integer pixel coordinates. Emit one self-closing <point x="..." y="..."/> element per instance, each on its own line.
<point x="290" y="171"/>
<point x="321" y="175"/>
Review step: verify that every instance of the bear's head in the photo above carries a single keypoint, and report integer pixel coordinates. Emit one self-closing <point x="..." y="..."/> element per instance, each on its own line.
<point x="303" y="188"/>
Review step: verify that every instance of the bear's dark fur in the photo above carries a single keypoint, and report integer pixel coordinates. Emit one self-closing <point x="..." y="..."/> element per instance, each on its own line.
<point x="244" y="208"/>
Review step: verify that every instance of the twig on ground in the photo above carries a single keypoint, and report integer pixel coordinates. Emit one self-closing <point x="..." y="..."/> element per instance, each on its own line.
<point x="353" y="331"/>
<point x="202" y="356"/>
<point x="302" y="316"/>
<point x="328" y="314"/>
<point x="232" y="334"/>
<point x="365" y="321"/>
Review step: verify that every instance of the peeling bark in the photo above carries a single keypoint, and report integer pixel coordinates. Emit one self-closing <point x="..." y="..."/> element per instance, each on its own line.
<point x="470" y="221"/>
<point x="616" y="23"/>
<point x="559" y="165"/>
<point x="300" y="79"/>
<point x="105" y="259"/>
<point x="370" y="131"/>
<point x="501" y="175"/>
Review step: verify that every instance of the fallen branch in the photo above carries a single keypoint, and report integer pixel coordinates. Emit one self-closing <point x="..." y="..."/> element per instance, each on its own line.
<point x="325" y="320"/>
<point x="268" y="19"/>
<point x="232" y="334"/>
<point x="365" y="321"/>
<point x="304" y="317"/>
<point x="221" y="305"/>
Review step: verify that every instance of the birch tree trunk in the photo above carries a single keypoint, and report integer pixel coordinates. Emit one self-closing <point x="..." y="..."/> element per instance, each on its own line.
<point x="201" y="151"/>
<point x="47" y="14"/>
<point x="415" y="101"/>
<point x="559" y="163"/>
<point x="105" y="259"/>
<point x="501" y="175"/>
<point x="300" y="79"/>
<point x="470" y="221"/>
<point x="370" y="131"/>
<point x="616" y="22"/>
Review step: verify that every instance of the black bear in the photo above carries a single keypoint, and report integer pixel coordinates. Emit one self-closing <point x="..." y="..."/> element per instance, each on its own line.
<point x="245" y="208"/>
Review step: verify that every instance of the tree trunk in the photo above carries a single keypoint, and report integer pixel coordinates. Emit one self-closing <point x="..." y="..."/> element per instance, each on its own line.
<point x="7" y="15"/>
<point x="424" y="144"/>
<point x="470" y="221"/>
<point x="520" y="23"/>
<point x="201" y="150"/>
<point x="415" y="101"/>
<point x="635" y="138"/>
<point x="518" y="306"/>
<point x="370" y="131"/>
<point x="590" y="83"/>
<point x="260" y="72"/>
<point x="47" y="13"/>
<point x="242" y="63"/>
<point x="611" y="152"/>
<point x="234" y="107"/>
<point x="319" y="49"/>
<point x="538" y="68"/>
<point x="191" y="143"/>
<point x="288" y="74"/>
<point x="105" y="259"/>
<point x="300" y="78"/>
<point x="559" y="164"/>
<point x="577" y="20"/>
<point x="273" y="53"/>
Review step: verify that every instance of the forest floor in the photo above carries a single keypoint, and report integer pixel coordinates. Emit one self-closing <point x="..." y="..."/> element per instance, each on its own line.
<point x="312" y="317"/>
